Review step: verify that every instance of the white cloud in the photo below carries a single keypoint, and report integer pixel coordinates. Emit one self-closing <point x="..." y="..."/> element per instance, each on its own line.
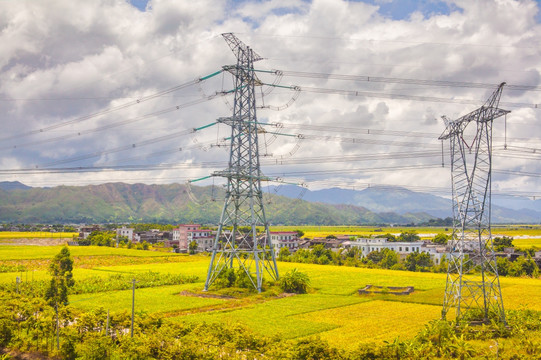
<point x="70" y="59"/>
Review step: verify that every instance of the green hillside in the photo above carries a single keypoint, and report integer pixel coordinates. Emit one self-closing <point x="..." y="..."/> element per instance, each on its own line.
<point x="119" y="202"/>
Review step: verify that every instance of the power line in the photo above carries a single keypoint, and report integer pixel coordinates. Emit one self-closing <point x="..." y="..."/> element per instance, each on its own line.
<point x="372" y="40"/>
<point x="112" y="109"/>
<point x="112" y="125"/>
<point x="126" y="147"/>
<point x="407" y="97"/>
<point x="379" y="79"/>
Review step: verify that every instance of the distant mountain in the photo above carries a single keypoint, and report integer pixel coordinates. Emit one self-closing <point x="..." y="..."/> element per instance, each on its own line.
<point x="380" y="199"/>
<point x="403" y="202"/>
<point x="119" y="202"/>
<point x="13" y="185"/>
<point x="517" y="202"/>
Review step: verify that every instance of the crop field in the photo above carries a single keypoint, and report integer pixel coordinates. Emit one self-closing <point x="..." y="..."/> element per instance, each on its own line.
<point x="323" y="231"/>
<point x="528" y="243"/>
<point x="332" y="310"/>
<point x="36" y="234"/>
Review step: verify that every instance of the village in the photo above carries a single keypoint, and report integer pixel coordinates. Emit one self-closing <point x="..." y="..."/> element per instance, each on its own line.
<point x="197" y="238"/>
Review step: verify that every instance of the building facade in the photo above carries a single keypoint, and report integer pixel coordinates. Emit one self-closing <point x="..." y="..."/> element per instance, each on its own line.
<point x="184" y="234"/>
<point x="124" y="231"/>
<point x="284" y="239"/>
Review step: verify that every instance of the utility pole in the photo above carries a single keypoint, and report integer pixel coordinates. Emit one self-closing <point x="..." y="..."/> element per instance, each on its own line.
<point x="238" y="243"/>
<point x="57" y="328"/>
<point x="107" y="325"/>
<point x="471" y="244"/>
<point x="132" y="306"/>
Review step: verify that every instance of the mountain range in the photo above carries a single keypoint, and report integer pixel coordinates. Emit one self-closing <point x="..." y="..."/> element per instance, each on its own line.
<point x="175" y="203"/>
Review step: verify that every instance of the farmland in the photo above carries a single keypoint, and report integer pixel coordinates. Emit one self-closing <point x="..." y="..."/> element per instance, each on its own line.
<point x="331" y="310"/>
<point x="526" y="235"/>
<point x="37" y="235"/>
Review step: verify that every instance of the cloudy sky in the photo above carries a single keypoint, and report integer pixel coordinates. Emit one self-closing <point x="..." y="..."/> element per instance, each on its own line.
<point x="104" y="85"/>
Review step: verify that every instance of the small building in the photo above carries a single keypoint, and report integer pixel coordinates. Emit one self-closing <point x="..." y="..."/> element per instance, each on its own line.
<point x="124" y="231"/>
<point x="284" y="239"/>
<point x="86" y="230"/>
<point x="402" y="248"/>
<point x="184" y="234"/>
<point x="153" y="236"/>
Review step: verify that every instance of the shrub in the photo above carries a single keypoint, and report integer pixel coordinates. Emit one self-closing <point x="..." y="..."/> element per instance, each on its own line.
<point x="295" y="281"/>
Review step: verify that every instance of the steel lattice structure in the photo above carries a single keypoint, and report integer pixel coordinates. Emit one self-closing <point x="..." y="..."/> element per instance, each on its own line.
<point x="238" y="243"/>
<point x="471" y="244"/>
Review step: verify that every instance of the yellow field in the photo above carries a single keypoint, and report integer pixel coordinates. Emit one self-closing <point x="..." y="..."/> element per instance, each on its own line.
<point x="333" y="310"/>
<point x="372" y="322"/>
<point x="36" y="235"/>
<point x="527" y="243"/>
<point x="367" y="231"/>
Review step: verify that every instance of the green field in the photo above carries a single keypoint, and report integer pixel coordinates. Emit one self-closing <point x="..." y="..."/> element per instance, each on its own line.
<point x="332" y="310"/>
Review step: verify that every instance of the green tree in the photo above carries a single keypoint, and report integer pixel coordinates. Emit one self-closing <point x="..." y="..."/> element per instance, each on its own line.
<point x="501" y="243"/>
<point x="192" y="247"/>
<point x="390" y="237"/>
<point x="102" y="238"/>
<point x="441" y="238"/>
<point x="408" y="236"/>
<point x="61" y="268"/>
<point x="524" y="266"/>
<point x="417" y="261"/>
<point x="375" y="256"/>
<point x="283" y="254"/>
<point x="389" y="259"/>
<point x="319" y="251"/>
<point x="300" y="233"/>
<point x="503" y="265"/>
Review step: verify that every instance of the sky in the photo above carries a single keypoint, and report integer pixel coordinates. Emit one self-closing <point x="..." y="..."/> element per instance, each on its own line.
<point x="108" y="91"/>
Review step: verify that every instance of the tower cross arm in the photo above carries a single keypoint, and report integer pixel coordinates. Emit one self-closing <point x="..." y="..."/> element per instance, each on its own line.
<point x="488" y="112"/>
<point x="235" y="44"/>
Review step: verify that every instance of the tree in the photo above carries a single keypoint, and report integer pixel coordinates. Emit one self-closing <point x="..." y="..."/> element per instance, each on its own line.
<point x="523" y="266"/>
<point x="503" y="265"/>
<point x="501" y="243"/>
<point x="408" y="236"/>
<point x="300" y="233"/>
<point x="389" y="259"/>
<point x="417" y="261"/>
<point x="192" y="248"/>
<point x="375" y="256"/>
<point x="61" y="268"/>
<point x="283" y="253"/>
<point x="390" y="237"/>
<point x="441" y="239"/>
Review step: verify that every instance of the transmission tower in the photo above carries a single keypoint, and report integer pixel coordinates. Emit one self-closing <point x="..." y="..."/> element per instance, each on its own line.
<point x="238" y="243"/>
<point x="471" y="244"/>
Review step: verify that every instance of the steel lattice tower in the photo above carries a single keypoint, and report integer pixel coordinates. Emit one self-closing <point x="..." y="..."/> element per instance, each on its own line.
<point x="471" y="244"/>
<point x="238" y="243"/>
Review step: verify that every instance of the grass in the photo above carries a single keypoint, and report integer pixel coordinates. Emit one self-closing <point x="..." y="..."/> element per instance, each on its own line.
<point x="152" y="300"/>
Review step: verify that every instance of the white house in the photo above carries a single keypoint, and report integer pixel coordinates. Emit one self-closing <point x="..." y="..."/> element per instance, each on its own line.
<point x="124" y="231"/>
<point x="284" y="239"/>
<point x="402" y="248"/>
